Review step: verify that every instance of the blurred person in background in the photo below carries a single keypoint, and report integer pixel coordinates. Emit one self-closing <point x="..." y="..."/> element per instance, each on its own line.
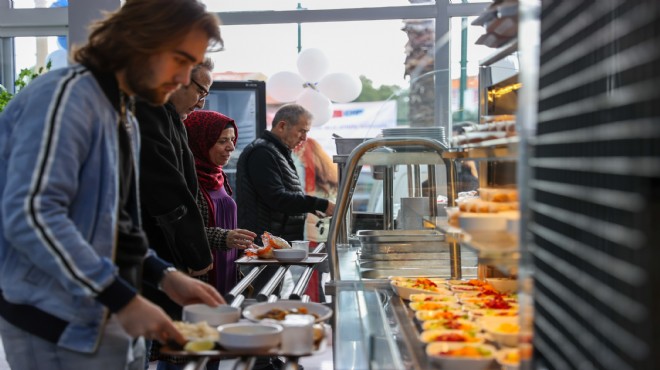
<point x="320" y="178"/>
<point x="73" y="255"/>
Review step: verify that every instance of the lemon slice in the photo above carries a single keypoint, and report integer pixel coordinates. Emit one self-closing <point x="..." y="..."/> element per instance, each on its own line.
<point x="199" y="345"/>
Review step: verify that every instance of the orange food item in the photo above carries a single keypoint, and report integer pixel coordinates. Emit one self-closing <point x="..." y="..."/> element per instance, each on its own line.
<point x="270" y="242"/>
<point x="508" y="328"/>
<point x="467" y="351"/>
<point x="453" y="337"/>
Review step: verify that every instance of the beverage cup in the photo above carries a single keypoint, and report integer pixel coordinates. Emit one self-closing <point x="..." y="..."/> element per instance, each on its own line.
<point x="298" y="334"/>
<point x="300" y="244"/>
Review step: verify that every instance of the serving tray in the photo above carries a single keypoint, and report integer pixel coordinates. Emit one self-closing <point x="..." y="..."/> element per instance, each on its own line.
<point x="312" y="259"/>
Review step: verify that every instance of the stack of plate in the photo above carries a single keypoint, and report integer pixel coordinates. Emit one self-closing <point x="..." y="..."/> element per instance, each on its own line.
<point x="437" y="133"/>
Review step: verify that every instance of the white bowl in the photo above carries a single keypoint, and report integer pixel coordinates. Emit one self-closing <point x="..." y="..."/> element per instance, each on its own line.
<point x="249" y="336"/>
<point x="300" y="244"/>
<point x="504" y="285"/>
<point x="256" y="311"/>
<point x="494" y="325"/>
<point x="290" y="255"/>
<point x="504" y="360"/>
<point x="433" y="351"/>
<point x="214" y="316"/>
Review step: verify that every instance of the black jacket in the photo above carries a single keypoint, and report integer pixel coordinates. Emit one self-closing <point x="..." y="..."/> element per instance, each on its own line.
<point x="268" y="191"/>
<point x="168" y="187"/>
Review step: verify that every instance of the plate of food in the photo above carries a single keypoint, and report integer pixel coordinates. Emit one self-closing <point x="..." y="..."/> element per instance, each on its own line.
<point x="451" y="335"/>
<point x="421" y="297"/>
<point x="278" y="310"/>
<point x="404" y="288"/>
<point x="430" y="306"/>
<point x="451" y="324"/>
<point x="201" y="340"/>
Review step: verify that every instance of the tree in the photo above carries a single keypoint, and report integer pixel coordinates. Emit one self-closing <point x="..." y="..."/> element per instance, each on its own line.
<point x="384" y="92"/>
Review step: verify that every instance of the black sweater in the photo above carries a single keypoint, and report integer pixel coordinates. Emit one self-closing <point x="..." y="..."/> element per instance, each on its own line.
<point x="268" y="191"/>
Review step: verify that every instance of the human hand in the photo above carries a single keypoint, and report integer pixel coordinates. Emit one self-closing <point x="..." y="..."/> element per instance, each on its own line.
<point x="240" y="239"/>
<point x="185" y="290"/>
<point x="143" y="318"/>
<point x="331" y="208"/>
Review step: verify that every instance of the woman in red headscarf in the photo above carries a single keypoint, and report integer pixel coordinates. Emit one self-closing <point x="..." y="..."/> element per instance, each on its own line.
<point x="212" y="139"/>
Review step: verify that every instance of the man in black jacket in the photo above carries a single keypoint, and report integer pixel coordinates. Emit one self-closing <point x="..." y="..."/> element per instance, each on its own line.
<point x="268" y="191"/>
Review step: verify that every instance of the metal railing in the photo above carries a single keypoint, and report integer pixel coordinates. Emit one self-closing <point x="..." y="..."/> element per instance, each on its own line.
<point x="347" y="185"/>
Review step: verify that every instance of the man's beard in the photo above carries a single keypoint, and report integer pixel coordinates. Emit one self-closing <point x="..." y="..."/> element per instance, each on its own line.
<point x="138" y="78"/>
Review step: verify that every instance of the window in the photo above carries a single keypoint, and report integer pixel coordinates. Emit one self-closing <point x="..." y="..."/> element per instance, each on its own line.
<point x="26" y="4"/>
<point x="237" y="6"/>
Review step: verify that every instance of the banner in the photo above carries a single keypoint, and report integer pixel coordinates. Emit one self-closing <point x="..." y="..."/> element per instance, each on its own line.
<point x="355" y="120"/>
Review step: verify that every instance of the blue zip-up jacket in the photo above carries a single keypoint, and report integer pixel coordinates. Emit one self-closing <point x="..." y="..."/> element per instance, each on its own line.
<point x="59" y="194"/>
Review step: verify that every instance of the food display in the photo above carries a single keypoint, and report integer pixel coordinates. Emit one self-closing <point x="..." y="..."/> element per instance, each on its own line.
<point x="463" y="323"/>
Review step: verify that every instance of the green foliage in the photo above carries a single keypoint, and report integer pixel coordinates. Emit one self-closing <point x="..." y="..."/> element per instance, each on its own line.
<point x="369" y="93"/>
<point x="24" y="77"/>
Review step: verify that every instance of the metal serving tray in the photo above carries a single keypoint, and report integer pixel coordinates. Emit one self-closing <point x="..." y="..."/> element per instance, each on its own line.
<point x="399" y="236"/>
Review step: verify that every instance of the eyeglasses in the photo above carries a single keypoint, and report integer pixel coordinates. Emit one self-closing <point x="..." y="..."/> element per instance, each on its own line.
<point x="203" y="93"/>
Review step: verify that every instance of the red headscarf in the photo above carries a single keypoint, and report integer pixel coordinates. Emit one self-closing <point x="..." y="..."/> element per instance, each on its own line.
<point x="204" y="128"/>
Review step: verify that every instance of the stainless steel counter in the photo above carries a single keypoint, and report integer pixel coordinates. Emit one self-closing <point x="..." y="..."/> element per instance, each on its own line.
<point x="372" y="327"/>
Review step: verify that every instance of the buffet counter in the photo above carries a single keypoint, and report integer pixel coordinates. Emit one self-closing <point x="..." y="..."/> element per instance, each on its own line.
<point x="372" y="326"/>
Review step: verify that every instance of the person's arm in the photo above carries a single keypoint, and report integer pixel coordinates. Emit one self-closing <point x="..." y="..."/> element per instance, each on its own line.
<point x="164" y="190"/>
<point x="52" y="139"/>
<point x="224" y="239"/>
<point x="264" y="171"/>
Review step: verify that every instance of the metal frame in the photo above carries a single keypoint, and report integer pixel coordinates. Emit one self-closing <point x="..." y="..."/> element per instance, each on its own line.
<point x="55" y="22"/>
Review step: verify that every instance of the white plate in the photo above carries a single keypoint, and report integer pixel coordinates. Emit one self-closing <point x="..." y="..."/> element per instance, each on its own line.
<point x="254" y="311"/>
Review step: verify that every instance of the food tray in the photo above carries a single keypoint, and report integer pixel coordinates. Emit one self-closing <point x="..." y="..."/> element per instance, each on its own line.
<point x="312" y="259"/>
<point x="219" y="352"/>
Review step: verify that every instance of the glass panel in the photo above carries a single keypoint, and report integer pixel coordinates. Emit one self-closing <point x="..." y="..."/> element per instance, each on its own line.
<point x="468" y="109"/>
<point x="349" y="47"/>
<point x="28" y="4"/>
<point x="34" y="52"/>
<point x="256" y="5"/>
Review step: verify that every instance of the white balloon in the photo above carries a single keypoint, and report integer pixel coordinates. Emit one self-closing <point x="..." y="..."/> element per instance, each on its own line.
<point x="285" y="86"/>
<point x="340" y="87"/>
<point x="317" y="104"/>
<point x="58" y="59"/>
<point x="312" y="64"/>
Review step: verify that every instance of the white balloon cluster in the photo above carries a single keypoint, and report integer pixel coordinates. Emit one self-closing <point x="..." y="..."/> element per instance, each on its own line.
<point x="313" y="88"/>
